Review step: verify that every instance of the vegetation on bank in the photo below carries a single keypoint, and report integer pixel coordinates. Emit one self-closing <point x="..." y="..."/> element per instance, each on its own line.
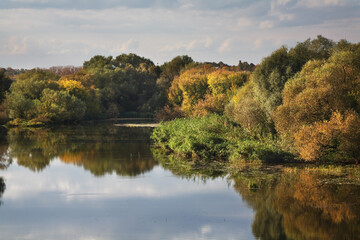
<point x="213" y="137"/>
<point x="105" y="87"/>
<point x="298" y="103"/>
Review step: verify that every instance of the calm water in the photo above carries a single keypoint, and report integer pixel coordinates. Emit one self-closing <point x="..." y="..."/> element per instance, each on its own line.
<point x="104" y="182"/>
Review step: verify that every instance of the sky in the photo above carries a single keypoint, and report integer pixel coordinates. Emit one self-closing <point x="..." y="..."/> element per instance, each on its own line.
<point x="44" y="33"/>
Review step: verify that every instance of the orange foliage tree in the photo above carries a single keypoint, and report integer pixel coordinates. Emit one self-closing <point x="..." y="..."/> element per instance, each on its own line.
<point x="338" y="138"/>
<point x="317" y="103"/>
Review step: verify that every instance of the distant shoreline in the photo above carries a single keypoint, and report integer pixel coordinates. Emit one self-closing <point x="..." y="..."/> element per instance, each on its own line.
<point x="150" y="125"/>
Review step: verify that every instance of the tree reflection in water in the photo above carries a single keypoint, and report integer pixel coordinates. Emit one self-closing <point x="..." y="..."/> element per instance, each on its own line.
<point x="5" y="159"/>
<point x="292" y="202"/>
<point x="99" y="149"/>
<point x="191" y="170"/>
<point x="289" y="203"/>
<point x="301" y="204"/>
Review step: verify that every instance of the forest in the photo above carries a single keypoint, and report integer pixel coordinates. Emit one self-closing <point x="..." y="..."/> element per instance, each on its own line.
<point x="298" y="104"/>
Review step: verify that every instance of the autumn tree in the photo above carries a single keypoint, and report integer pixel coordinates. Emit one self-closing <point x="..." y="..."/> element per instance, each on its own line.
<point x="222" y="86"/>
<point x="37" y="97"/>
<point x="190" y="87"/>
<point x="246" y="111"/>
<point x="313" y="96"/>
<point x="204" y="89"/>
<point x="336" y="139"/>
<point x="275" y="70"/>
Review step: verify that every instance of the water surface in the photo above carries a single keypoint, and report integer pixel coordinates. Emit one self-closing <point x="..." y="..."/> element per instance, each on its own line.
<point x="105" y="182"/>
<point x="102" y="182"/>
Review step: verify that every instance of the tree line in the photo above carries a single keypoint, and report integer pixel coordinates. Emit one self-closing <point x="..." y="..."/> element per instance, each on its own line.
<point x="104" y="87"/>
<point x="305" y="98"/>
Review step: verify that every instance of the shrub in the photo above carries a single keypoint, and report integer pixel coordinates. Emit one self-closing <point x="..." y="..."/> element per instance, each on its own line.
<point x="198" y="137"/>
<point x="213" y="137"/>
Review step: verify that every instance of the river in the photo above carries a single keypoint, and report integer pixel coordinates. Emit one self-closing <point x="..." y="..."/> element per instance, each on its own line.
<point x="105" y="182"/>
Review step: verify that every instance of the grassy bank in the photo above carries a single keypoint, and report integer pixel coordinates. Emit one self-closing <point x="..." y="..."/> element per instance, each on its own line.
<point x="214" y="138"/>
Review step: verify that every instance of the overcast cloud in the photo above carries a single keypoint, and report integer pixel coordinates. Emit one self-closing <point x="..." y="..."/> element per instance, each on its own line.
<point x="43" y="33"/>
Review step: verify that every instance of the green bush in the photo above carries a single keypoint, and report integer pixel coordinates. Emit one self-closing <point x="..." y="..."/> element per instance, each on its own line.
<point x="250" y="150"/>
<point x="205" y="137"/>
<point x="214" y="137"/>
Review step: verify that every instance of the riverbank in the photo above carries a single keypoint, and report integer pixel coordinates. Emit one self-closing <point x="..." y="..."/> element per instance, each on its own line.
<point x="124" y="121"/>
<point x="215" y="138"/>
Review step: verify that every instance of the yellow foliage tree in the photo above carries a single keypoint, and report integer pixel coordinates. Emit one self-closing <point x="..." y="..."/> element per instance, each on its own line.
<point x="205" y="89"/>
<point x="71" y="86"/>
<point x="223" y="81"/>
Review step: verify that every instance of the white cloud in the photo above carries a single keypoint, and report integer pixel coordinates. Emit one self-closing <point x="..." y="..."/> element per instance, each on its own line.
<point x="258" y="43"/>
<point x="208" y="42"/>
<point x="286" y="17"/>
<point x="282" y="2"/>
<point x="130" y="45"/>
<point x="266" y="24"/>
<point x="74" y="188"/>
<point x="206" y="229"/>
<point x="319" y="3"/>
<point x="243" y="22"/>
<point x="225" y="46"/>
<point x="30" y="1"/>
<point x="186" y="5"/>
<point x="15" y="46"/>
<point x="201" y="29"/>
<point x="188" y="46"/>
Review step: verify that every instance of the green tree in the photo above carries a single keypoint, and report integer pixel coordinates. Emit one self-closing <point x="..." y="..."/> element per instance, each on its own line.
<point x="270" y="78"/>
<point x="246" y="111"/>
<point x="125" y="84"/>
<point x="170" y="70"/>
<point x="60" y="106"/>
<point x="133" y="60"/>
<point x="33" y="82"/>
<point x="19" y="106"/>
<point x="38" y="97"/>
<point x="274" y="71"/>
<point x="99" y="62"/>
<point x="5" y="83"/>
